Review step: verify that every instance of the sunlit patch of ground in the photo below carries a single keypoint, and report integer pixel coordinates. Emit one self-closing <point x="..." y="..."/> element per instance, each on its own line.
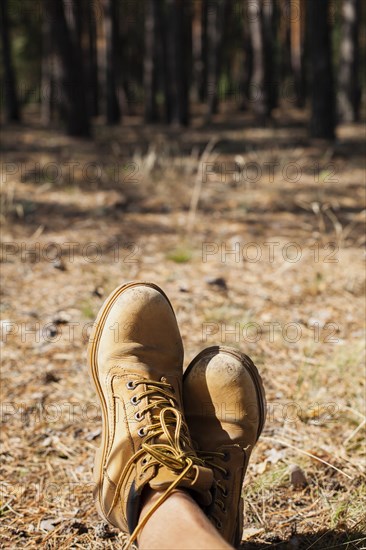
<point x="269" y="259"/>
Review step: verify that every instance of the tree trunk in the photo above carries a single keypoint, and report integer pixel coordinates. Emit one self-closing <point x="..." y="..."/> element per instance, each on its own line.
<point x="111" y="36"/>
<point x="216" y="11"/>
<point x="259" y="92"/>
<point x="246" y="73"/>
<point x="285" y="39"/>
<point x="178" y="53"/>
<point x="203" y="86"/>
<point x="12" y="111"/>
<point x="297" y="50"/>
<point x="92" y="60"/>
<point x="269" y="15"/>
<point x="47" y="83"/>
<point x="322" y="122"/>
<point x="72" y="100"/>
<point x="163" y="83"/>
<point x="349" y="92"/>
<point x="197" y="42"/>
<point x="150" y="59"/>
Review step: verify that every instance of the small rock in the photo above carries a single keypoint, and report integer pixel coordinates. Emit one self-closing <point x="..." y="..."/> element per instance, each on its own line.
<point x="93" y="435"/>
<point x="261" y="467"/>
<point x="252" y="532"/>
<point x="297" y="476"/>
<point x="50" y="377"/>
<point x="47" y="442"/>
<point x="59" y="264"/>
<point x="49" y="524"/>
<point x="61" y="318"/>
<point x="216" y="281"/>
<point x="98" y="291"/>
<point x="183" y="288"/>
<point x="274" y="455"/>
<point x="103" y="531"/>
<point x="52" y="331"/>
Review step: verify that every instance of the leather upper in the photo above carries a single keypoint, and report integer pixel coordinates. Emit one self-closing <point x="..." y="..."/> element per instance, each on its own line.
<point x="225" y="410"/>
<point x="136" y="357"/>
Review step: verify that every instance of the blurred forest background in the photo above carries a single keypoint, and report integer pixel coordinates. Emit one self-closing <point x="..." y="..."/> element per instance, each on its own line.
<point x="216" y="148"/>
<point x="80" y="59"/>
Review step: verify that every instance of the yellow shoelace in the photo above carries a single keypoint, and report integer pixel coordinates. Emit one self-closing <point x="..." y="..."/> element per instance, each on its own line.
<point x="176" y="454"/>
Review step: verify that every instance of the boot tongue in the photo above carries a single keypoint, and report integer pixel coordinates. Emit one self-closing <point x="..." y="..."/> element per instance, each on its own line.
<point x="200" y="480"/>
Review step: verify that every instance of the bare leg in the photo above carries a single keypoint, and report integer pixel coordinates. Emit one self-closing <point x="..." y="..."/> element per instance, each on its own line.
<point x="178" y="523"/>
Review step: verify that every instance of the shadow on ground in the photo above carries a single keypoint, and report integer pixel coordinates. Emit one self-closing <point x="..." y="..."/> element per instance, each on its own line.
<point x="320" y="540"/>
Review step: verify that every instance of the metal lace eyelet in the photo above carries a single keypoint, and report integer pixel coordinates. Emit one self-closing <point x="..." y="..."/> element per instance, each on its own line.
<point x="139" y="416"/>
<point x="226" y="456"/>
<point x="144" y="460"/>
<point x="221" y="505"/>
<point x="141" y="432"/>
<point x="226" y="474"/>
<point x="135" y="400"/>
<point x="218" y="524"/>
<point x="130" y="385"/>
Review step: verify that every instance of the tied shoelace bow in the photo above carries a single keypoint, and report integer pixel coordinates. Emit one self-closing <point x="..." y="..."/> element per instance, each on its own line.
<point x="176" y="454"/>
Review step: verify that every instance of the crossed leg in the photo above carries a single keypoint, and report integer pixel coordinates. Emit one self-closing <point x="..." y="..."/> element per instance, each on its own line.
<point x="178" y="523"/>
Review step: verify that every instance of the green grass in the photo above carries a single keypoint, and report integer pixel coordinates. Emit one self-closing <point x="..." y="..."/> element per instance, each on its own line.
<point x="180" y="255"/>
<point x="87" y="309"/>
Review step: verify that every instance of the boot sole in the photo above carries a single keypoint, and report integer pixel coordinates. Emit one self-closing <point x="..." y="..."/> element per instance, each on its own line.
<point x="92" y="353"/>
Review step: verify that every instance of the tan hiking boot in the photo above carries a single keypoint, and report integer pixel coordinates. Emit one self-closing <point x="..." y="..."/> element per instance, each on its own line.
<point x="135" y="357"/>
<point x="225" y="409"/>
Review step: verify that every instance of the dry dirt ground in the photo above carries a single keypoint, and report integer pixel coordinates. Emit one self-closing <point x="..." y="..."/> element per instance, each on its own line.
<point x="257" y="236"/>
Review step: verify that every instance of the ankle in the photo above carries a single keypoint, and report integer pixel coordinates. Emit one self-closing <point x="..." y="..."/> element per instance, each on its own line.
<point x="178" y="514"/>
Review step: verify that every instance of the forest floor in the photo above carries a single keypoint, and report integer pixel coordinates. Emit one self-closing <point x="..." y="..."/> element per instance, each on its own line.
<point x="269" y="259"/>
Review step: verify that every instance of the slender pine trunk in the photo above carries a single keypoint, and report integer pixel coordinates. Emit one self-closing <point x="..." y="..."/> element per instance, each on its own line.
<point x="11" y="102"/>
